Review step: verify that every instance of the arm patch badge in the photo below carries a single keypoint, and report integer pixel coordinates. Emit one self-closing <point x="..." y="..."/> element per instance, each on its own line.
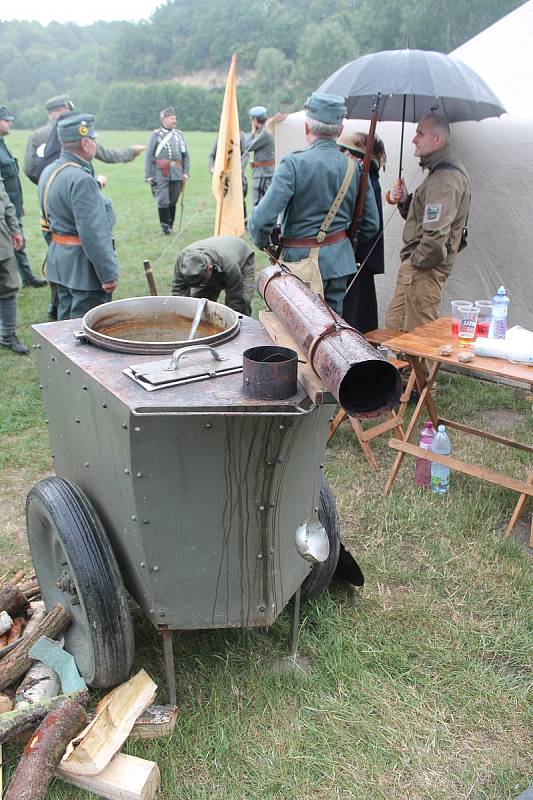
<point x="432" y="212"/>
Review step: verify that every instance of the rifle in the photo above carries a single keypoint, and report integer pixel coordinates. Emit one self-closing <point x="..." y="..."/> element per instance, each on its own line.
<point x="363" y="179"/>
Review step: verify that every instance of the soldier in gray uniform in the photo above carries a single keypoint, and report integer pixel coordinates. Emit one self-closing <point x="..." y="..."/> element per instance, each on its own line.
<point x="57" y="107"/>
<point x="207" y="267"/>
<point x="261" y="143"/>
<point x="81" y="260"/>
<point x="303" y="189"/>
<point x="244" y="160"/>
<point x="9" y="172"/>
<point x="11" y="240"/>
<point x="166" y="167"/>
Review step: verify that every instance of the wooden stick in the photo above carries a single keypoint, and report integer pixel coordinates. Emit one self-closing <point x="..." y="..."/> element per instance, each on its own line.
<point x="43" y="752"/>
<point x="18" y="576"/>
<point x="125" y="778"/>
<point x="12" y="723"/>
<point x="18" y="662"/>
<point x="150" y="277"/>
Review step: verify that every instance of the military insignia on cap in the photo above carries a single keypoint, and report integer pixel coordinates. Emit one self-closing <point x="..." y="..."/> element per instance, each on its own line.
<point x="83" y="129"/>
<point x="432" y="212"/>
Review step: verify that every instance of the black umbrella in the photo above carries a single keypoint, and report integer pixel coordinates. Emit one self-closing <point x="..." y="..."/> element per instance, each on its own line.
<point x="412" y="84"/>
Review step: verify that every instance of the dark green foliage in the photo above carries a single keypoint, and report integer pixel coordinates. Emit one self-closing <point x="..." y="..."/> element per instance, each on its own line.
<point x="125" y="72"/>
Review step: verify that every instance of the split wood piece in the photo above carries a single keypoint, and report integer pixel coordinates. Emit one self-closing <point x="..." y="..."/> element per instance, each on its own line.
<point x="125" y="778"/>
<point x="6" y="703"/>
<point x="43" y="752"/>
<point x="40" y="683"/>
<point x="16" y="630"/>
<point x="38" y="610"/>
<point x="155" y="722"/>
<point x="94" y="748"/>
<point x="17" y="662"/>
<point x="5" y="622"/>
<point x="17" y="577"/>
<point x="13" y="601"/>
<point x="13" y="723"/>
<point x="27" y="586"/>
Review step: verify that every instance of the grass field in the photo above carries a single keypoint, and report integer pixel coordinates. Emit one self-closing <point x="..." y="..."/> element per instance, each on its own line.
<point x="420" y="686"/>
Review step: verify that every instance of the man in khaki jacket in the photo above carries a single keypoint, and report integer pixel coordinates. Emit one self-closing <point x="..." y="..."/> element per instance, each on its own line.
<point x="435" y="216"/>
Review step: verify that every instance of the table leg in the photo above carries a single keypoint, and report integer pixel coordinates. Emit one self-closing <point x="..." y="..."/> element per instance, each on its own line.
<point x="424" y="387"/>
<point x="517" y="512"/>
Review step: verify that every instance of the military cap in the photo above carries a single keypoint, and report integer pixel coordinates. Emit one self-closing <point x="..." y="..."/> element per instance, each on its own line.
<point x="167" y="112"/>
<point x="59" y="101"/>
<point x="193" y="265"/>
<point x="328" y="108"/>
<point x="4" y="114"/>
<point x="76" y="127"/>
<point x="257" y="111"/>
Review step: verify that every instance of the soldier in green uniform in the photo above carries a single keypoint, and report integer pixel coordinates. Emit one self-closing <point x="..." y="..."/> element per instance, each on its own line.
<point x="9" y="172"/>
<point x="167" y="167"/>
<point x="57" y="107"/>
<point x="207" y="267"/>
<point x="303" y="189"/>
<point x="11" y="239"/>
<point x="81" y="260"/>
<point x="261" y="143"/>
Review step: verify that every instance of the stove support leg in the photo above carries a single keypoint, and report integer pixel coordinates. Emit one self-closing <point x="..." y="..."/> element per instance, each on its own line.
<point x="167" y="638"/>
<point x="295" y="623"/>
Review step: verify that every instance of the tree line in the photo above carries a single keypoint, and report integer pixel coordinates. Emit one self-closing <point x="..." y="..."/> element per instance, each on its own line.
<point x="125" y="72"/>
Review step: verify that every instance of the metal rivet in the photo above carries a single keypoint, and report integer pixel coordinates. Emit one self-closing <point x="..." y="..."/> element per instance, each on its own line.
<point x="77" y="421"/>
<point x="86" y="464"/>
<point x="269" y="463"/>
<point x="146" y="521"/>
<point x="261" y="508"/>
<point x="281" y="427"/>
<point x="67" y="371"/>
<point x="208" y="425"/>
<point x="104" y="405"/>
<point x="155" y="569"/>
<point x="126" y="471"/>
<point x="321" y="466"/>
<point x="137" y="429"/>
<point x="139" y="474"/>
<point x="84" y="388"/>
<point x="124" y="426"/>
<point x="134" y="518"/>
<point x="280" y="461"/>
<point x="316" y="510"/>
<point x="34" y="346"/>
<point x="41" y="386"/>
<point x="53" y="358"/>
<point x="162" y="614"/>
<point x="38" y="347"/>
<point x="142" y="564"/>
<point x="262" y="609"/>
<point x="260" y="556"/>
<point x="272" y="505"/>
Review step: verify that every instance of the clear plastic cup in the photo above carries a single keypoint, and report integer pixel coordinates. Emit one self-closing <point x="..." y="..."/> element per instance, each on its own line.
<point x="455" y="314"/>
<point x="484" y="317"/>
<point x="467" y="324"/>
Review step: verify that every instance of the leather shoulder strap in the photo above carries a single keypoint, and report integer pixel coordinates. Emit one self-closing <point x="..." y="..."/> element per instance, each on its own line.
<point x="341" y="194"/>
<point x="51" y="178"/>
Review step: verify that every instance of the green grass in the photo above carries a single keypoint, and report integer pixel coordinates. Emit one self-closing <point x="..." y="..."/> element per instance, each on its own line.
<point x="420" y="683"/>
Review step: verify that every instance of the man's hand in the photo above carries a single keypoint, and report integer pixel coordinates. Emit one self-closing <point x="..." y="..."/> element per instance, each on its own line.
<point x="139" y="148"/>
<point x="18" y="241"/>
<point x="101" y="180"/>
<point x="149" y="179"/>
<point x="185" y="176"/>
<point x="109" y="286"/>
<point x="398" y="193"/>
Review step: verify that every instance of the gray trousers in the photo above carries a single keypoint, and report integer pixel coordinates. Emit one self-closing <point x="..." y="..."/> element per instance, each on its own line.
<point x="74" y="303"/>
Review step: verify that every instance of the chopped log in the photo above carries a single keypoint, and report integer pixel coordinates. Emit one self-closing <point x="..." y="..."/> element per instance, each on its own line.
<point x="40" y="683"/>
<point x="3" y="640"/>
<point x="155" y="722"/>
<point x="12" y="723"/>
<point x="17" y="577"/>
<point x="28" y="585"/>
<point x="6" y="703"/>
<point x="33" y="594"/>
<point x="18" y="662"/>
<point x="5" y="622"/>
<point x="13" y="601"/>
<point x="16" y="630"/>
<point x="38" y="610"/>
<point x="125" y="778"/>
<point x="94" y="748"/>
<point x="43" y="752"/>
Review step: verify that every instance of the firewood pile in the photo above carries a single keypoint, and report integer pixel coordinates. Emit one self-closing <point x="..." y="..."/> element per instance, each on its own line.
<point x="44" y="702"/>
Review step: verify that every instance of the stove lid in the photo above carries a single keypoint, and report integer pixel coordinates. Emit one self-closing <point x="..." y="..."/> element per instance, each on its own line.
<point x="186" y="365"/>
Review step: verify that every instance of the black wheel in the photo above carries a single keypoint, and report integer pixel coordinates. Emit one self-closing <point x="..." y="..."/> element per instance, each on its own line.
<point x="321" y="574"/>
<point x="76" y="567"/>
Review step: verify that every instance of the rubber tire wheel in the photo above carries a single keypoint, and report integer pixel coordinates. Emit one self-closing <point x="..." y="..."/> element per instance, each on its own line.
<point x="68" y="543"/>
<point x="321" y="574"/>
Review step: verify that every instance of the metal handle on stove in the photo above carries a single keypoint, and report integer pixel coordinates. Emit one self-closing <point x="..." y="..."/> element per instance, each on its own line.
<point x="177" y="354"/>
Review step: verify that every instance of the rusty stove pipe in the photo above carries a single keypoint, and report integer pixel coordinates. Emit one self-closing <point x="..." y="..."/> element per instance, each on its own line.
<point x="364" y="383"/>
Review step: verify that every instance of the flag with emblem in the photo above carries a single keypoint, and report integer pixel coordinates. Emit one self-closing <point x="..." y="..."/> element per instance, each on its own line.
<point x="227" y="174"/>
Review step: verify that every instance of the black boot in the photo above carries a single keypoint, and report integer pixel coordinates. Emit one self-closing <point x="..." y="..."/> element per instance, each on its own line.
<point x="13" y="344"/>
<point x="164" y="219"/>
<point x="171" y="215"/>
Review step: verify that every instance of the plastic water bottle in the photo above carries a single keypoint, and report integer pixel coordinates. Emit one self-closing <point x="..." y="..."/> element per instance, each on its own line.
<point x="423" y="467"/>
<point x="440" y="475"/>
<point x="498" y="323"/>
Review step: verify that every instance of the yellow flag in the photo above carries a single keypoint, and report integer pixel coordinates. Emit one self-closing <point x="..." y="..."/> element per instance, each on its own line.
<point x="227" y="173"/>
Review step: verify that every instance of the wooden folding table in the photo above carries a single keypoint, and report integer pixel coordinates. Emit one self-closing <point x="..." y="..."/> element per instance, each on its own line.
<point x="424" y="342"/>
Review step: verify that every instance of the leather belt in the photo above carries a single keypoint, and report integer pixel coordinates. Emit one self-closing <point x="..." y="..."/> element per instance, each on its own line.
<point x="64" y="238"/>
<point x="312" y="241"/>
<point x="255" y="164"/>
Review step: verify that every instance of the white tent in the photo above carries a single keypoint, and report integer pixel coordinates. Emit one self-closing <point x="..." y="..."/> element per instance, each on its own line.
<point x="498" y="155"/>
